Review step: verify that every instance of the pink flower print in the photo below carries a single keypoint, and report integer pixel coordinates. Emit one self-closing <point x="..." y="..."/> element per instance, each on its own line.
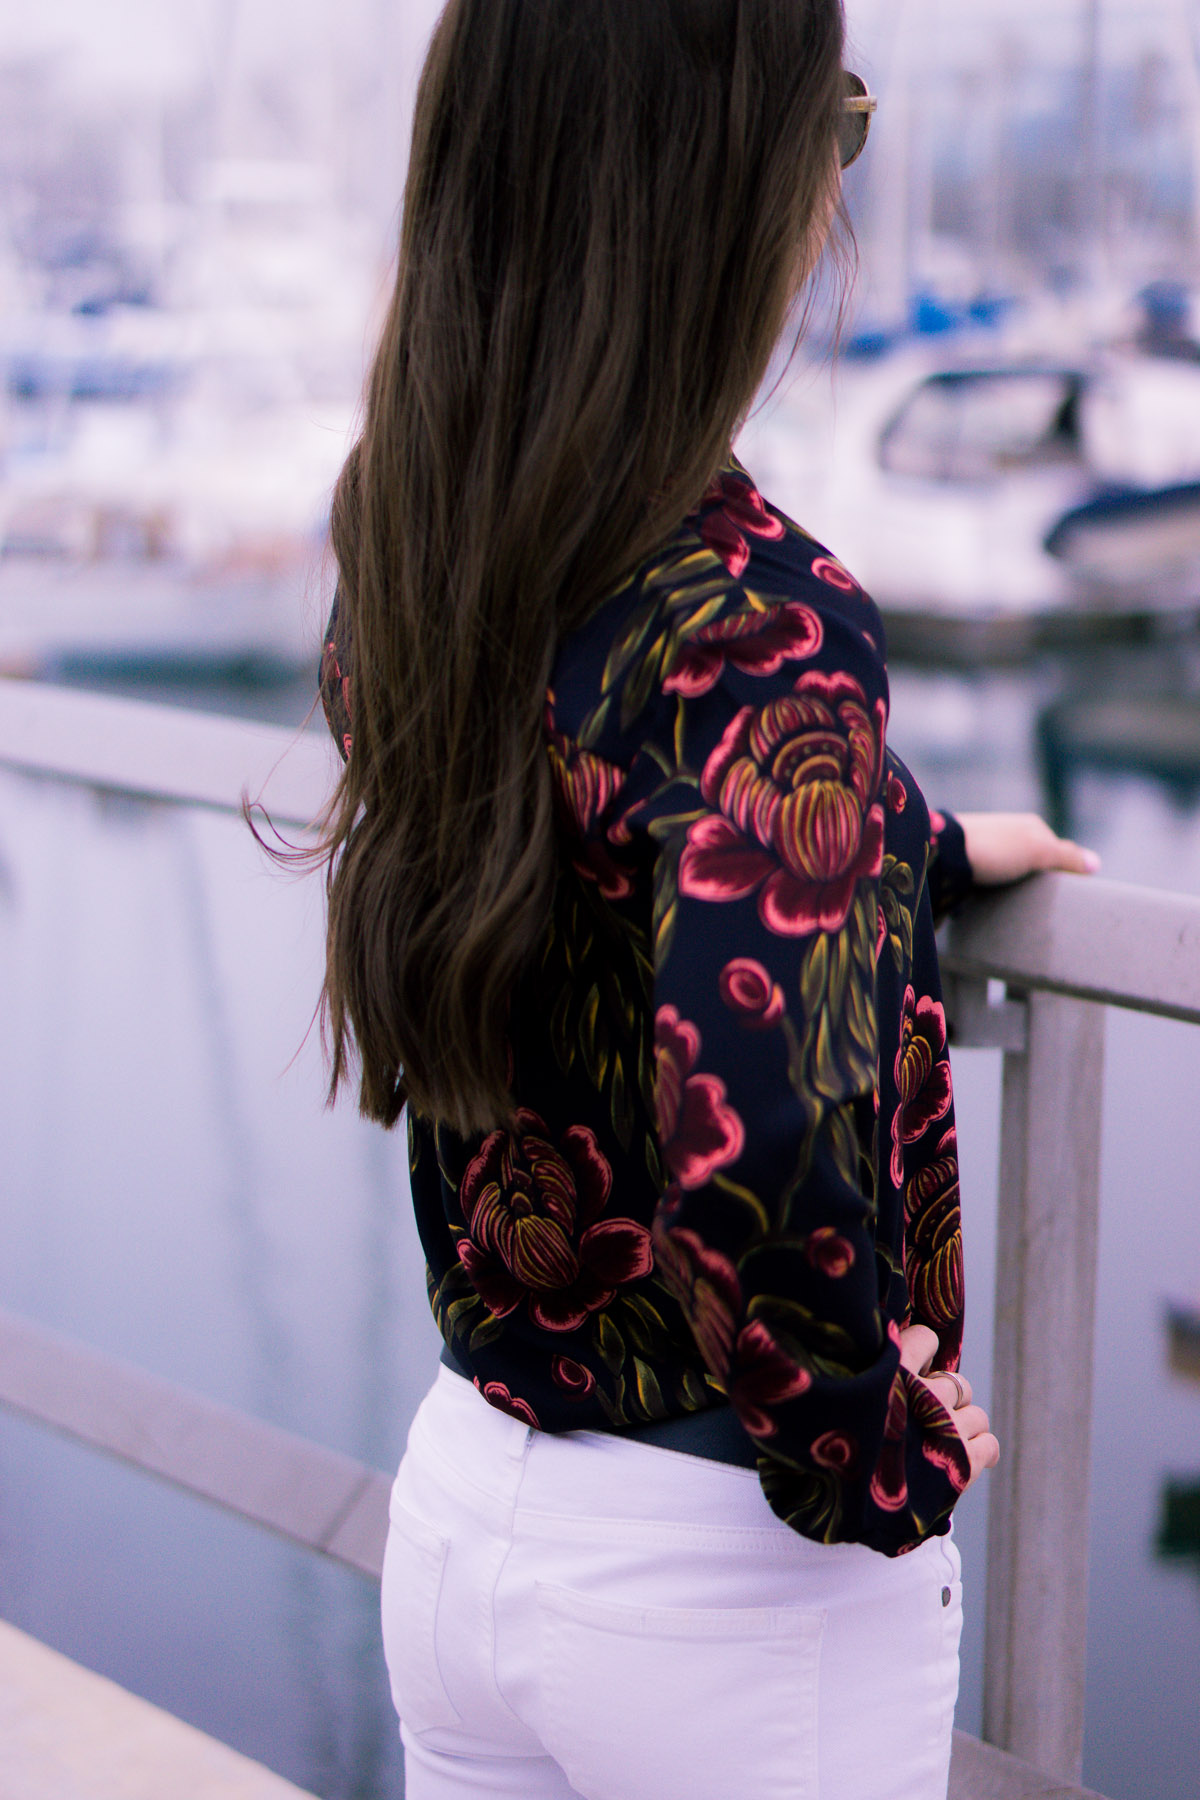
<point x="753" y="1367"/>
<point x="835" y="1450"/>
<point x="731" y="507"/>
<point x="748" y="990"/>
<point x="922" y="1074"/>
<point x="577" y="1381"/>
<point x="496" y="1394"/>
<point x="699" y="1131"/>
<point x="830" y="1252"/>
<point x="889" y="1483"/>
<point x="933" y="1243"/>
<point x="331" y="672"/>
<point x="758" y="643"/>
<point x="834" y="575"/>
<point x="762" y="1376"/>
<point x="796" y="819"/>
<point x="706" y="1285"/>
<point x="535" y="1234"/>
<point x="585" y="786"/>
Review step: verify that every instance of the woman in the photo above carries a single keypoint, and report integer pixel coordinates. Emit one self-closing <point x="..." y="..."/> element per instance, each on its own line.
<point x="633" y="907"/>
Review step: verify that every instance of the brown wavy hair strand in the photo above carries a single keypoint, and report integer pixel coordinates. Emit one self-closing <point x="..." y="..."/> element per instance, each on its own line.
<point x="608" y="213"/>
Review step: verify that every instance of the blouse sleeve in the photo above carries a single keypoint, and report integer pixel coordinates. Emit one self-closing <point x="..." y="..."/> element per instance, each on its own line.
<point x="950" y="877"/>
<point x="759" y="796"/>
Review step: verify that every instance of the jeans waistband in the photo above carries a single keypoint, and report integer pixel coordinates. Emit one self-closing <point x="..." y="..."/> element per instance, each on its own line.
<point x="714" y="1434"/>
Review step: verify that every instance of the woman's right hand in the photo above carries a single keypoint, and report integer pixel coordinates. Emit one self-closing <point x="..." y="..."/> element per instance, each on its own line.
<point x="1004" y="847"/>
<point x="918" y="1347"/>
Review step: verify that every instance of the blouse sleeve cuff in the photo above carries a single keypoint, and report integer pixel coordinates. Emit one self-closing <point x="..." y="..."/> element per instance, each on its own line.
<point x="950" y="878"/>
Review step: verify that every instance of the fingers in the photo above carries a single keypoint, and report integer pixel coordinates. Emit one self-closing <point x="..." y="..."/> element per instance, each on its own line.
<point x="1061" y="853"/>
<point x="918" y="1347"/>
<point x="1003" y="847"/>
<point x="981" y="1444"/>
<point x="948" y="1389"/>
<point x="972" y="1423"/>
<point x="1073" y="858"/>
<point x="969" y="1420"/>
<point x="983" y="1452"/>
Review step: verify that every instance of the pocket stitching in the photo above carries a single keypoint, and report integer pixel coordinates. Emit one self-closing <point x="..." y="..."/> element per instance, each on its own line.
<point x="792" y="1630"/>
<point x="429" y="1540"/>
<point x="431" y="1550"/>
<point x="717" y="1622"/>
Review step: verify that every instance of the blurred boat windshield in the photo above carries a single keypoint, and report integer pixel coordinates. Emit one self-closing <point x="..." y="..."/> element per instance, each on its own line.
<point x="975" y="425"/>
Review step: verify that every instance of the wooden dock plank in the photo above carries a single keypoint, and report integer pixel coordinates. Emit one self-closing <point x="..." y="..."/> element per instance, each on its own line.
<point x="69" y="1734"/>
<point x="978" y="1771"/>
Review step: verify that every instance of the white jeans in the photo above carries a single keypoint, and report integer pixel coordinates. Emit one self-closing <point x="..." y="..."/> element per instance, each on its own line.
<point x="583" y="1615"/>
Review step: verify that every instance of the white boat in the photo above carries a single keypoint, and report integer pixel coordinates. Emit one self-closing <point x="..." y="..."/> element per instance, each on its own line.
<point x="166" y="471"/>
<point x="993" y="500"/>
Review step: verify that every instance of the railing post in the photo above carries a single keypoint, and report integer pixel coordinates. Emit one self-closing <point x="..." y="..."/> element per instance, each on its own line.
<point x="1035" y="1647"/>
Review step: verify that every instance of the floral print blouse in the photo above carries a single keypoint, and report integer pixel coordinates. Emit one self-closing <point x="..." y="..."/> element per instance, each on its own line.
<point x="730" y="1176"/>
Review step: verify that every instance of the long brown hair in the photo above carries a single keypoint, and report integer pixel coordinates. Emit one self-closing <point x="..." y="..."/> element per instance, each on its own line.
<point x="609" y="210"/>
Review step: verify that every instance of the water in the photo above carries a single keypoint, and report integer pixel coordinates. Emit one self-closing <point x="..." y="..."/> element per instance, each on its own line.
<point x="174" y="1192"/>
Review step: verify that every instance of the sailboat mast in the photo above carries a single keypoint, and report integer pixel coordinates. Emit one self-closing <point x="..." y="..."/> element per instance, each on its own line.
<point x="1090" y="221"/>
<point x="1188" y="63"/>
<point x="891" y="195"/>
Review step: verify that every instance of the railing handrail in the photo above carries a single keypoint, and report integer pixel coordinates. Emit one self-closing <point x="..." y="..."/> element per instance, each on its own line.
<point x="1104" y="941"/>
<point x="301" y="1490"/>
<point x="164" y="752"/>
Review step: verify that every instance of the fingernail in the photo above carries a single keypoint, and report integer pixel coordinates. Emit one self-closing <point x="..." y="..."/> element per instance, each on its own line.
<point x="1091" y="861"/>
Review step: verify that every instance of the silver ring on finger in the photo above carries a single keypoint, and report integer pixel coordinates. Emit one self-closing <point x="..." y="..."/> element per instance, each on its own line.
<point x="960" y="1387"/>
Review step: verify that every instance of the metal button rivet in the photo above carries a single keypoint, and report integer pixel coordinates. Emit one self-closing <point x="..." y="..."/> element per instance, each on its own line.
<point x="945" y="1596"/>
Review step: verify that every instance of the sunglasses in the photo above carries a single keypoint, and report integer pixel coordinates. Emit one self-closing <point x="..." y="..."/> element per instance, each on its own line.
<point x="855" y="122"/>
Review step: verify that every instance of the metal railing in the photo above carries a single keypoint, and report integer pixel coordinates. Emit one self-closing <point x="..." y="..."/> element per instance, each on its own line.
<point x="1064" y="948"/>
<point x="316" y="1497"/>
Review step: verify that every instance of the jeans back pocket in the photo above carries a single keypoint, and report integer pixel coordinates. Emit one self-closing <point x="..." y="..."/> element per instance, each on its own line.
<point x="686" y="1703"/>
<point x="414" y="1567"/>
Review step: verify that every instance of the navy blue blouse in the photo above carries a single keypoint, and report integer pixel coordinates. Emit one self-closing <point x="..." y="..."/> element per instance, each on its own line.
<point x="730" y="1176"/>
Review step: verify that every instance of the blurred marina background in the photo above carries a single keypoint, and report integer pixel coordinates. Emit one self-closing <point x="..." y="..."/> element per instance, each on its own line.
<point x="198" y="202"/>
